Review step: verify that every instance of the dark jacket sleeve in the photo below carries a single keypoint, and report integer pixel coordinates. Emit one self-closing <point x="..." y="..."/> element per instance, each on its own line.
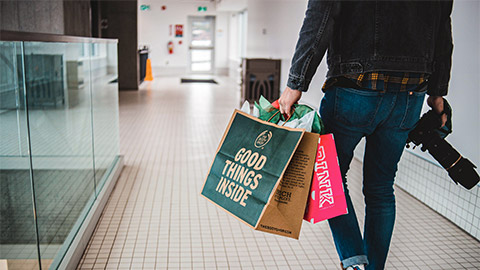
<point x="313" y="40"/>
<point x="439" y="79"/>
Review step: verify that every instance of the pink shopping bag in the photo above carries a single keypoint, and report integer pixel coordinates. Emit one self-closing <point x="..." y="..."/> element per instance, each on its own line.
<point x="327" y="198"/>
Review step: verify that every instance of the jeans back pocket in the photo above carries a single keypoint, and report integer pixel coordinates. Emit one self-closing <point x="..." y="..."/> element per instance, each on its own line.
<point x="356" y="108"/>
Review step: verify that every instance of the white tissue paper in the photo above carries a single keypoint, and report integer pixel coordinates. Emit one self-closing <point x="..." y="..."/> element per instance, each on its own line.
<point x="255" y="112"/>
<point x="246" y="109"/>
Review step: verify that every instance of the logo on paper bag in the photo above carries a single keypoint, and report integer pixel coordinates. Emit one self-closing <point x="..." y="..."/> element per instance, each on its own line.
<point x="263" y="139"/>
<point x="323" y="179"/>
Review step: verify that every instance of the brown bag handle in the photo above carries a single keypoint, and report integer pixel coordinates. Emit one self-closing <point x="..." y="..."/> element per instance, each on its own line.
<point x="277" y="113"/>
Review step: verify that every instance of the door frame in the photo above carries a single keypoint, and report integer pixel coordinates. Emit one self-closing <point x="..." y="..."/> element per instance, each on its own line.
<point x="190" y="20"/>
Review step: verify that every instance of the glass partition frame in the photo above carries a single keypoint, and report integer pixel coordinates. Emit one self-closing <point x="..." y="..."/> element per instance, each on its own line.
<point x="19" y="236"/>
<point x="88" y="130"/>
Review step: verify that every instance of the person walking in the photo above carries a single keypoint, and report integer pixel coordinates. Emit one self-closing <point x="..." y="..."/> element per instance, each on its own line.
<point x="383" y="58"/>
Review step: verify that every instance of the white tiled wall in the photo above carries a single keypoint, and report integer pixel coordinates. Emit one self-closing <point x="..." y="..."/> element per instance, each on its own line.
<point x="431" y="184"/>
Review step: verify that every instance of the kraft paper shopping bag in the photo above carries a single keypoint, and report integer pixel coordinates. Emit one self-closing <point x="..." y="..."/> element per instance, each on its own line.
<point x="261" y="174"/>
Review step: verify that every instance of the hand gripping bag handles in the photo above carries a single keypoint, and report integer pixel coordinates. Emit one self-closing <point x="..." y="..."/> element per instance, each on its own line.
<point x="261" y="174"/>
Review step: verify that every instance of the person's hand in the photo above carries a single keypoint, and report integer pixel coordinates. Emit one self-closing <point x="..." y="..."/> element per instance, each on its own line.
<point x="436" y="103"/>
<point x="287" y="99"/>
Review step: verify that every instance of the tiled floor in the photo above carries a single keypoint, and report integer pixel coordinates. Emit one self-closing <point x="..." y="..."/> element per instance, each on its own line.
<point x="156" y="219"/>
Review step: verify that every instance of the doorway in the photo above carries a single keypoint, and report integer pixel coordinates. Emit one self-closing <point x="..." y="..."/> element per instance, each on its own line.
<point x="202" y="44"/>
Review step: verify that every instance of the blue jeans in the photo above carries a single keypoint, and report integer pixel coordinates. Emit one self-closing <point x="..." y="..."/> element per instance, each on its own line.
<point x="385" y="120"/>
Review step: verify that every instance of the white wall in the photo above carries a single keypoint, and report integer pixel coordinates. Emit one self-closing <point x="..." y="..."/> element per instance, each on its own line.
<point x="222" y="44"/>
<point x="233" y="54"/>
<point x="153" y="31"/>
<point x="231" y="5"/>
<point x="237" y="40"/>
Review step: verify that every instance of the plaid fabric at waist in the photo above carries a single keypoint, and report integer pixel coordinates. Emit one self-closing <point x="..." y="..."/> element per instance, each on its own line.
<point x="384" y="81"/>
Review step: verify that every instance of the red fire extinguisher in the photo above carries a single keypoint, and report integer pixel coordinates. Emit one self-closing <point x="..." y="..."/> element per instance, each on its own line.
<point x="170" y="47"/>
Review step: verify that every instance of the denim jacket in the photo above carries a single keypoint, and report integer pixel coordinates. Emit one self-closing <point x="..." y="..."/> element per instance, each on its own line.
<point x="366" y="36"/>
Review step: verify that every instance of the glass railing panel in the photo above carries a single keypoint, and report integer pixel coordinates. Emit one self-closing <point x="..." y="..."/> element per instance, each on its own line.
<point x="57" y="78"/>
<point x="105" y="109"/>
<point x="18" y="241"/>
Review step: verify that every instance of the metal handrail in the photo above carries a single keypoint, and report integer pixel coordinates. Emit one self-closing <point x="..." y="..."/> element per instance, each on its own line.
<point x="42" y="37"/>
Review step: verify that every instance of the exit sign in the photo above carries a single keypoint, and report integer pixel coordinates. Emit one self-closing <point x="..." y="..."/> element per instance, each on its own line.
<point x="202" y="9"/>
<point x="145" y="7"/>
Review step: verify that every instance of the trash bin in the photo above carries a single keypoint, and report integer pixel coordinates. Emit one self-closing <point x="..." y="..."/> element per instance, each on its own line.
<point x="143" y="56"/>
<point x="260" y="77"/>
